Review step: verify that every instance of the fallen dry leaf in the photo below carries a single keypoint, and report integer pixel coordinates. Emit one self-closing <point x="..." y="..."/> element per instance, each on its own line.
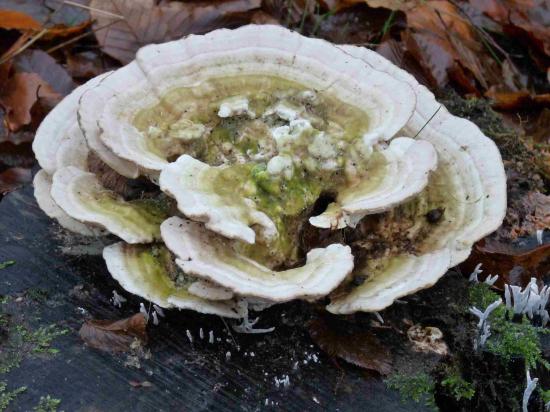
<point x="49" y="12"/>
<point x="358" y="25"/>
<point x="338" y="5"/>
<point x="395" y="5"/>
<point x="525" y="20"/>
<point x="392" y="50"/>
<point x="513" y="265"/>
<point x="19" y="96"/>
<point x="6" y="135"/>
<point x="533" y="214"/>
<point x="517" y="101"/>
<point x="88" y="64"/>
<point x="41" y="63"/>
<point x="538" y="141"/>
<point x="16" y="155"/>
<point x="143" y="22"/>
<point x="12" y="179"/>
<point x="444" y="42"/>
<point x="15" y="20"/>
<point x="361" y="349"/>
<point x="114" y="336"/>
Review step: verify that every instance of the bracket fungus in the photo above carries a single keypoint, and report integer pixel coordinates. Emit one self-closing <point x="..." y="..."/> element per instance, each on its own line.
<point x="257" y="165"/>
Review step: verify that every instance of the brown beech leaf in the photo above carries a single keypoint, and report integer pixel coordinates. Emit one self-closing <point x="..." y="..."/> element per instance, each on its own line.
<point x="16" y="155"/>
<point x="516" y="101"/>
<point x="89" y="64"/>
<point x="538" y="142"/>
<point x="41" y="63"/>
<point x="397" y="53"/>
<point x="12" y="179"/>
<point x="19" y="96"/>
<point x="338" y="5"/>
<point x="15" y="20"/>
<point x="513" y="265"/>
<point x="361" y="349"/>
<point x="532" y="214"/>
<point x="114" y="336"/>
<point x="445" y="44"/>
<point x="49" y="12"/>
<point x="143" y="22"/>
<point x="395" y="5"/>
<point x="525" y="20"/>
<point x="358" y="25"/>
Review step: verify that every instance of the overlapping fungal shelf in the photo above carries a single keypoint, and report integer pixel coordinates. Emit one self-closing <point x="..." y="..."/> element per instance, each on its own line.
<point x="257" y="166"/>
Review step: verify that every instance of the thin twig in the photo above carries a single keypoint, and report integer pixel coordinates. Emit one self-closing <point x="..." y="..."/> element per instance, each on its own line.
<point x="99" y="11"/>
<point x="80" y="36"/>
<point x="485" y="36"/>
<point x="229" y="331"/>
<point x="429" y="120"/>
<point x="25" y="46"/>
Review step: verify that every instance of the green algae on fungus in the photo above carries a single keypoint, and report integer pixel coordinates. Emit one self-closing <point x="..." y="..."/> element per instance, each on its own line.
<point x="203" y="254"/>
<point x="7" y="397"/>
<point x="82" y="196"/>
<point x="149" y="271"/>
<point x="200" y="104"/>
<point x="509" y="339"/>
<point x="138" y="215"/>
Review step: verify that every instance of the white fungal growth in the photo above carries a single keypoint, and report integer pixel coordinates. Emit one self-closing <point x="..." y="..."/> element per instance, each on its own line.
<point x="379" y="317"/>
<point x="540" y="232"/>
<point x="483" y="324"/>
<point x="211" y="337"/>
<point x="531" y="301"/>
<point x="144" y="311"/>
<point x="280" y="165"/>
<point x="117" y="299"/>
<point x="491" y="279"/>
<point x="235" y="106"/>
<point x="484" y="335"/>
<point x="284" y="381"/>
<point x="477" y="271"/>
<point x="483" y="316"/>
<point x="227" y="355"/>
<point x="159" y="310"/>
<point x="531" y="384"/>
<point x="201" y="333"/>
<point x="189" y="336"/>
<point x="155" y="318"/>
<point x="247" y="325"/>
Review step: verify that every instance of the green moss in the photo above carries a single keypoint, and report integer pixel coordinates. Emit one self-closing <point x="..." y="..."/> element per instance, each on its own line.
<point x="24" y="342"/>
<point x="545" y="395"/>
<point x="141" y="215"/>
<point x="37" y="294"/>
<point x="509" y="340"/>
<point x="7" y="263"/>
<point x="418" y="388"/>
<point x="458" y="386"/>
<point x="47" y="404"/>
<point x="480" y="295"/>
<point x="41" y="339"/>
<point x="282" y="199"/>
<point x="6" y="397"/>
<point x="512" y="340"/>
